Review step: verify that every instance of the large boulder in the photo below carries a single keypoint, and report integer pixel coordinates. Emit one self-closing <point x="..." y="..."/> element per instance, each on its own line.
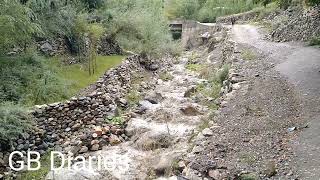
<point x="46" y="48"/>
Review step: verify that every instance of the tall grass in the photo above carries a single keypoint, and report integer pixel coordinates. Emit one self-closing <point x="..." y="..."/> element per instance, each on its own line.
<point x="77" y="74"/>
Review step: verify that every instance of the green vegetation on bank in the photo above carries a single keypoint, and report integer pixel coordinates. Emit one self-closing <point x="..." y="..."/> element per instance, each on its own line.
<point x="14" y="120"/>
<point x="77" y="74"/>
<point x="209" y="10"/>
<point x="31" y="80"/>
<point x="27" y="78"/>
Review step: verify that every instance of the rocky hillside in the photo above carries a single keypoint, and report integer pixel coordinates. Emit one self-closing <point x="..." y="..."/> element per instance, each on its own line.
<point x="295" y="24"/>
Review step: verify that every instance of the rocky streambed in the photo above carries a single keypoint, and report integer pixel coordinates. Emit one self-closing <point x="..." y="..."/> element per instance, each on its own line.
<point x="160" y="131"/>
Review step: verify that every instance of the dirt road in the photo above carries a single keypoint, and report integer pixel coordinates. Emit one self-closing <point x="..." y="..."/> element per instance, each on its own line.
<point x="300" y="65"/>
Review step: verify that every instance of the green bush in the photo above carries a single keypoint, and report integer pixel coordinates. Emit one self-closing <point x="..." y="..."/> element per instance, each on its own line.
<point x="14" y="120"/>
<point x="284" y="4"/>
<point x="222" y="74"/>
<point x="27" y="79"/>
<point x="315" y="41"/>
<point x="139" y="26"/>
<point x="55" y="17"/>
<point x="16" y="25"/>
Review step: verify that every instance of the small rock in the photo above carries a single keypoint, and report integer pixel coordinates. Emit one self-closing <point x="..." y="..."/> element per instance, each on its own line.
<point x="114" y="140"/>
<point x="98" y="130"/>
<point x="2" y="163"/>
<point x="67" y="129"/>
<point x="153" y="67"/>
<point x="207" y="132"/>
<point x="190" y="92"/>
<point x="214" y="173"/>
<point x="76" y="126"/>
<point x="123" y="101"/>
<point x="154" y="98"/>
<point x="159" y="81"/>
<point x="197" y="149"/>
<point x="292" y="129"/>
<point x="190" y="111"/>
<point x="46" y="48"/>
<point x="181" y="166"/>
<point x="95" y="147"/>
<point x="20" y="147"/>
<point x="84" y="149"/>
<point x="93" y="142"/>
<point x="94" y="135"/>
<point x="270" y="169"/>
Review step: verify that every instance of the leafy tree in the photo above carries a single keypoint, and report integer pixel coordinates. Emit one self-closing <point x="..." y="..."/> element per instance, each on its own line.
<point x="16" y="25"/>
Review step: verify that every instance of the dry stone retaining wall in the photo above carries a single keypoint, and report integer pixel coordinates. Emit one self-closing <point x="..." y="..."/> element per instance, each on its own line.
<point x="241" y="17"/>
<point x="81" y="124"/>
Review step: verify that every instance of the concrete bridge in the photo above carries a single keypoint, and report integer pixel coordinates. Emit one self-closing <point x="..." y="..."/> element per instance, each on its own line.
<point x="190" y="31"/>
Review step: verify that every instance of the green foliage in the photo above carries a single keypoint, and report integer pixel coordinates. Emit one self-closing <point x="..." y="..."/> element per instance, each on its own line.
<point x="313" y="2"/>
<point x="16" y="26"/>
<point x="284" y="4"/>
<point x="55" y="17"/>
<point x="165" y="76"/>
<point x="222" y="74"/>
<point x="27" y="79"/>
<point x="315" y="41"/>
<point x="207" y="10"/>
<point x="133" y="97"/>
<point x="117" y="120"/>
<point x="139" y="26"/>
<point x="249" y="176"/>
<point x="93" y="4"/>
<point x="194" y="67"/>
<point x="186" y="9"/>
<point x="14" y="120"/>
<point x="77" y="74"/>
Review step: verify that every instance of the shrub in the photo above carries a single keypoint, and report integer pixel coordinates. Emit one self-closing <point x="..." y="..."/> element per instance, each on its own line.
<point x="284" y="4"/>
<point x="222" y="74"/>
<point x="14" y="120"/>
<point x="29" y="80"/>
<point x="315" y="41"/>
<point x="313" y="2"/>
<point x="16" y="26"/>
<point x="139" y="26"/>
<point x="55" y="17"/>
